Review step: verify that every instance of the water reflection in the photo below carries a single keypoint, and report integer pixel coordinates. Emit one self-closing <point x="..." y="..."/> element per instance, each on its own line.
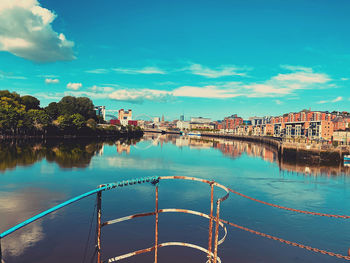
<point x="236" y="149"/>
<point x="18" y="206"/>
<point x="78" y="154"/>
<point x="66" y="153"/>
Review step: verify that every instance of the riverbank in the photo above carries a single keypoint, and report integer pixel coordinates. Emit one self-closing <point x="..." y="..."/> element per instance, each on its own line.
<point x="97" y="134"/>
<point x="298" y="152"/>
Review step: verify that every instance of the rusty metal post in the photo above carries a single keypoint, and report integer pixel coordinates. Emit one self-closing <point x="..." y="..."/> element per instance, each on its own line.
<point x="98" y="225"/>
<point x="156" y="230"/>
<point x="210" y="241"/>
<point x="216" y="231"/>
<point x="0" y="252"/>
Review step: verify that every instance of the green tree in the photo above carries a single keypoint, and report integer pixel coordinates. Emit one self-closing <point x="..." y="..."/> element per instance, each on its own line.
<point x="91" y="123"/>
<point x="39" y="119"/>
<point x="64" y="121"/>
<point x="85" y="107"/>
<point x="30" y="102"/>
<point x="12" y="115"/>
<point x="7" y="94"/>
<point x="52" y="110"/>
<point x="67" y="105"/>
<point x="78" y="121"/>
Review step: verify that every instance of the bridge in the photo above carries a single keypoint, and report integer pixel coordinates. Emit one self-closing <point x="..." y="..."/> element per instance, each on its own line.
<point x="215" y="222"/>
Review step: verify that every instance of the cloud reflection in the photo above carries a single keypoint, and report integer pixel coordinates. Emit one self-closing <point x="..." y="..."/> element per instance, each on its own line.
<point x="16" y="207"/>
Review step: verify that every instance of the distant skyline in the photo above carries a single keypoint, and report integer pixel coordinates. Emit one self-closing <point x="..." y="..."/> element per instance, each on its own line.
<point x="208" y="58"/>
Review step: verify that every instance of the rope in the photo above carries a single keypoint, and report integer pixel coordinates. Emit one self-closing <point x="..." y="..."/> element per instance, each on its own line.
<point x="294" y="244"/>
<point x="288" y="208"/>
<point x="88" y="239"/>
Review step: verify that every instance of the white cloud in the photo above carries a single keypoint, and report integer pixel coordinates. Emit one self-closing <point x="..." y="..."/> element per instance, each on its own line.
<point x="26" y="31"/>
<point x="303" y="77"/>
<point x="101" y="89"/>
<point x="145" y="70"/>
<point x="344" y="79"/>
<point x="277" y="86"/>
<point x="97" y="71"/>
<point x="222" y="71"/>
<point x="89" y="94"/>
<point x="140" y="95"/>
<point x="278" y="102"/>
<point x="52" y="81"/>
<point x="205" y="92"/>
<point x="337" y="99"/>
<point x="296" y="68"/>
<point x="9" y="75"/>
<point x="74" y="86"/>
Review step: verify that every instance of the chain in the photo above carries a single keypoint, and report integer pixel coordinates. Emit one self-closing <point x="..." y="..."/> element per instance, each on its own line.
<point x="287" y="208"/>
<point x="294" y="244"/>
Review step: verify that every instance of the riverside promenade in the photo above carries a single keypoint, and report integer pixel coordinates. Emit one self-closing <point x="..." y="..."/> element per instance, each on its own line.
<point x="301" y="150"/>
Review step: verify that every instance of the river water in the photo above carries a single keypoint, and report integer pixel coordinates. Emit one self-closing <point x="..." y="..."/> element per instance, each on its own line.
<point x="38" y="175"/>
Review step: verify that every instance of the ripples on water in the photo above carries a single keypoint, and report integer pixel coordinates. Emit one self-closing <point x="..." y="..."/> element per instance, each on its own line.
<point x="38" y="175"/>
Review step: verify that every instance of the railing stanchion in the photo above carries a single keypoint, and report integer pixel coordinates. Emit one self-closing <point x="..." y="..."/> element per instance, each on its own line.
<point x="0" y="252"/>
<point x="98" y="225"/>
<point x="217" y="230"/>
<point x="156" y="230"/>
<point x="210" y="241"/>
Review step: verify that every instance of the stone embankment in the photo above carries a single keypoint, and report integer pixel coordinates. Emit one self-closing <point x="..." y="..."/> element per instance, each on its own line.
<point x="300" y="151"/>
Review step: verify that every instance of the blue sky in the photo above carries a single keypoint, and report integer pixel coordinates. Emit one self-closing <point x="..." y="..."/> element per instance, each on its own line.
<point x="200" y="58"/>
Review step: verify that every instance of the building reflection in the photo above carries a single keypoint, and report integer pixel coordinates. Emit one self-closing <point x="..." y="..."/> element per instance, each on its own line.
<point x="235" y="149"/>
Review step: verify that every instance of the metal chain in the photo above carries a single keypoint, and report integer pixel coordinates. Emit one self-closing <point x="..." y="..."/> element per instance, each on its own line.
<point x="294" y="244"/>
<point x="288" y="208"/>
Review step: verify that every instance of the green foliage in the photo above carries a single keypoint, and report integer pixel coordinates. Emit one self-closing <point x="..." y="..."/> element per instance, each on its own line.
<point x="69" y="117"/>
<point x="11" y="114"/>
<point x="78" y="121"/>
<point x="39" y="118"/>
<point x="64" y="121"/>
<point x="69" y="105"/>
<point x="91" y="123"/>
<point x="30" y="102"/>
<point x="52" y="110"/>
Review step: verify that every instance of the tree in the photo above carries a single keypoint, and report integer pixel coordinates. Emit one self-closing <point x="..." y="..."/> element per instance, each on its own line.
<point x="30" y="102"/>
<point x="78" y="121"/>
<point x="12" y="114"/>
<point x="85" y="107"/>
<point x="39" y="118"/>
<point x="67" y="105"/>
<point x="7" y="94"/>
<point x="52" y="110"/>
<point x="64" y="121"/>
<point x="91" y="123"/>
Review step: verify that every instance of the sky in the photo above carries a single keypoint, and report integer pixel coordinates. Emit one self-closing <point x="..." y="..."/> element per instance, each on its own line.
<point x="198" y="58"/>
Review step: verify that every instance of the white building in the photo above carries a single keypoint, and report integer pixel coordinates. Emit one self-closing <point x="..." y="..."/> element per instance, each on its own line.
<point x="182" y="125"/>
<point x="200" y="120"/>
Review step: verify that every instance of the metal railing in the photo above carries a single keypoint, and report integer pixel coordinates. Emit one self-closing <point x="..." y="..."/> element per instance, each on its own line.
<point x="213" y="241"/>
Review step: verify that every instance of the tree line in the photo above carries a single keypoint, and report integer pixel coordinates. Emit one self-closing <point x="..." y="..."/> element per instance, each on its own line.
<point x="23" y="116"/>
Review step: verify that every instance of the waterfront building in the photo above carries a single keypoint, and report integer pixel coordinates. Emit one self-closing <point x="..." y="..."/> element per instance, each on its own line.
<point x="342" y="137"/>
<point x="183" y="125"/>
<point x="200" y="120"/>
<point x="231" y="122"/>
<point x="156" y="119"/>
<point x="124" y="116"/>
<point x="101" y="111"/>
<point x="202" y="126"/>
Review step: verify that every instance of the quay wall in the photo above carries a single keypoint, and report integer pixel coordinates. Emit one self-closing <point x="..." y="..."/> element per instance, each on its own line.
<point x="300" y="152"/>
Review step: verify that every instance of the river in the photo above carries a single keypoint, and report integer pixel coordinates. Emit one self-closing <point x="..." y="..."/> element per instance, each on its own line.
<point x="35" y="176"/>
